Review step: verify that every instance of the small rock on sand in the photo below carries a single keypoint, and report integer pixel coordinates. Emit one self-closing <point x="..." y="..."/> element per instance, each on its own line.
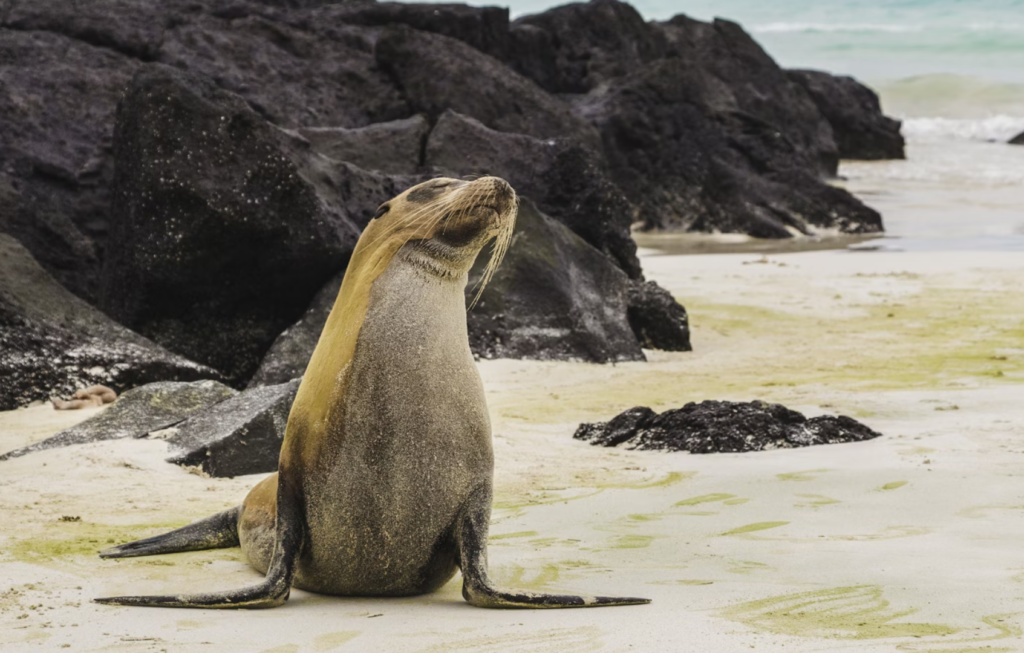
<point x="722" y="427"/>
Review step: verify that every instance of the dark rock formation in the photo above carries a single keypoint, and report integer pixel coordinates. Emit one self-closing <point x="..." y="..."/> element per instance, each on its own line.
<point x="1018" y="139"/>
<point x="52" y="343"/>
<point x="722" y="427"/>
<point x="345" y="191"/>
<point x="483" y="28"/>
<point x="290" y="353"/>
<point x="330" y="108"/>
<point x="582" y="197"/>
<point x="57" y="100"/>
<point x="291" y="75"/>
<point x="731" y="172"/>
<point x="137" y="413"/>
<point x="123" y="26"/>
<point x="391" y="147"/>
<point x="575" y="47"/>
<point x="553" y="298"/>
<point x="657" y="319"/>
<point x="567" y="182"/>
<point x="694" y="145"/>
<point x="859" y="127"/>
<point x="63" y="66"/>
<point x="460" y="145"/>
<point x="217" y="243"/>
<point x="241" y="435"/>
<point x="437" y="73"/>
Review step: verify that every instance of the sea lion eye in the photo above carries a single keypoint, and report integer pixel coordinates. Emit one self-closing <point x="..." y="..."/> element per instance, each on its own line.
<point x="384" y="208"/>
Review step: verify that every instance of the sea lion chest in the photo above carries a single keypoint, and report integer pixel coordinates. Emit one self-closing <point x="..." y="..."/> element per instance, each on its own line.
<point x="414" y="441"/>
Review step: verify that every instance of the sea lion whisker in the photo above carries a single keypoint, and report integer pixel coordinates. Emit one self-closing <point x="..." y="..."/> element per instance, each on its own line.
<point x="499" y="248"/>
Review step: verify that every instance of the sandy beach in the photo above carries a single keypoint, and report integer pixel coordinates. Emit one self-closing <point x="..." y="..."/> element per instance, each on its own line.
<point x="910" y="542"/>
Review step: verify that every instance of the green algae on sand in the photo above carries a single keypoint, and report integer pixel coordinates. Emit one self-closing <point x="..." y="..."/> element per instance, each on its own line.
<point x="633" y="542"/>
<point x="753" y="528"/>
<point x="941" y="335"/>
<point x="895" y="485"/>
<point x="815" y="501"/>
<point x="63" y="543"/>
<point x="857" y="612"/>
<point x="64" y="540"/>
<point x="860" y="613"/>
<point x="705" y="498"/>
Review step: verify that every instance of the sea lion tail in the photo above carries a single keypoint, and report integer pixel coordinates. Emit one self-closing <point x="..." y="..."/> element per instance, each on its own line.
<point x="219" y="531"/>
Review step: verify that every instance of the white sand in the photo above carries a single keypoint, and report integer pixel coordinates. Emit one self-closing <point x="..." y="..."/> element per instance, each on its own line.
<point x="911" y="542"/>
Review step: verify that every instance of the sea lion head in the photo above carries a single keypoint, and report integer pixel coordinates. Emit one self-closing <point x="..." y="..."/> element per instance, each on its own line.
<point x="447" y="222"/>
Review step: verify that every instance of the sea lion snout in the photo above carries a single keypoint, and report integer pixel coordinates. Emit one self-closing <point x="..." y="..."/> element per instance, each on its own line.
<point x="459" y="216"/>
<point x="502" y="196"/>
<point x="481" y="210"/>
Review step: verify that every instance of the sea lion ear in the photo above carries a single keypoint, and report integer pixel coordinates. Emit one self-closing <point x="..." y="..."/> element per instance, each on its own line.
<point x="384" y="208"/>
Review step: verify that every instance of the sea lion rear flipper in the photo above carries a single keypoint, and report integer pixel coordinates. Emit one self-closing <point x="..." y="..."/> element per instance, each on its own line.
<point x="274" y="589"/>
<point x="471" y="536"/>
<point x="219" y="531"/>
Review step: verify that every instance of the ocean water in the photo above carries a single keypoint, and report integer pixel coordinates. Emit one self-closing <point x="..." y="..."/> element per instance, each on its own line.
<point x="951" y="70"/>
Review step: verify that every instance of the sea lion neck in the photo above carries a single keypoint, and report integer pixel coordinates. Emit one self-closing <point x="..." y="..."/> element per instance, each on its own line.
<point x="438" y="259"/>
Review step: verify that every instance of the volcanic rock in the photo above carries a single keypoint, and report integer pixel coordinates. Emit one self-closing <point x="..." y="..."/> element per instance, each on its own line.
<point x="137" y="413"/>
<point x="437" y="73"/>
<point x="461" y="145"/>
<point x="722" y="427"/>
<point x="240" y="435"/>
<point x="573" y="48"/>
<point x="52" y="343"/>
<point x="125" y="26"/>
<point x="657" y="319"/>
<point x="731" y="173"/>
<point x="568" y="182"/>
<point x="217" y="244"/>
<point x="554" y="298"/>
<point x="601" y="118"/>
<point x="290" y="353"/>
<point x="391" y="147"/>
<point x="294" y="68"/>
<point x="696" y="153"/>
<point x="688" y="130"/>
<point x="483" y="28"/>
<point x="57" y="101"/>
<point x="348" y="193"/>
<point x="859" y="127"/>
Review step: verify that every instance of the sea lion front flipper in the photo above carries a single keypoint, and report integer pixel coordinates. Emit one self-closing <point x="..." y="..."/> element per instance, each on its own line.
<point x="272" y="592"/>
<point x="471" y="536"/>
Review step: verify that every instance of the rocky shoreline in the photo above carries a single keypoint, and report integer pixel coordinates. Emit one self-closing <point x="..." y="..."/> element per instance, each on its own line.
<point x="200" y="171"/>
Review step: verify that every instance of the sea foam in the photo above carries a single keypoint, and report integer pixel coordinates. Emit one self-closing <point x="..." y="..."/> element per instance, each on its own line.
<point x="771" y="28"/>
<point x="998" y="128"/>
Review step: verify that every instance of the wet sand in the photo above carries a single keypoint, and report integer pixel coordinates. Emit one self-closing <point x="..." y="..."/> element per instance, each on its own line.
<point x="910" y="542"/>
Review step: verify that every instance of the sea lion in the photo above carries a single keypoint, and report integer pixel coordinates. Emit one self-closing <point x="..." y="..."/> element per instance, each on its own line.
<point x="94" y="395"/>
<point x="385" y="476"/>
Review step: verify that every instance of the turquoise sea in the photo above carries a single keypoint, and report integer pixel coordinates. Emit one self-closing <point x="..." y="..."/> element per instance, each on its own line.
<point x="952" y="70"/>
